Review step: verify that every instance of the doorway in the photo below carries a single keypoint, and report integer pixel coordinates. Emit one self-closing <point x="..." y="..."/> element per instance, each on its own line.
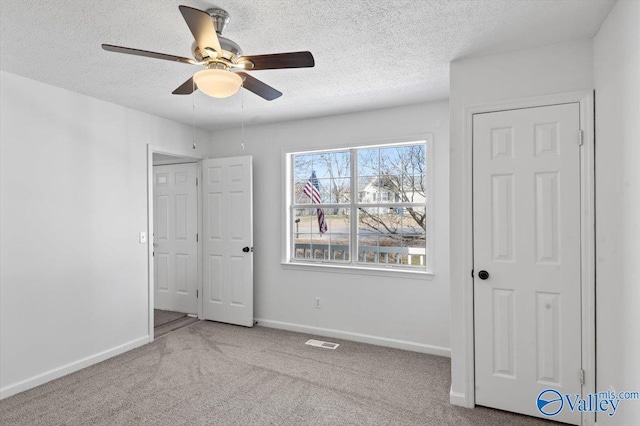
<point x="224" y="277"/>
<point x="173" y="228"/>
<point x="175" y="236"/>
<point x="526" y="226"/>
<point x="530" y="294"/>
<point x="175" y="243"/>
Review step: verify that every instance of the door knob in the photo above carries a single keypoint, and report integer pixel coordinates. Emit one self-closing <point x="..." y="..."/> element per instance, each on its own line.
<point x="246" y="249"/>
<point x="483" y="275"/>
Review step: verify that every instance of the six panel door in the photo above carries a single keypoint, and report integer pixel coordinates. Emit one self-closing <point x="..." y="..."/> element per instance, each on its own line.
<point x="228" y="240"/>
<point x="526" y="210"/>
<point x="175" y="247"/>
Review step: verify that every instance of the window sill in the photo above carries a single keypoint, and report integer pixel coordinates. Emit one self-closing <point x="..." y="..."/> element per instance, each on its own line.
<point x="352" y="270"/>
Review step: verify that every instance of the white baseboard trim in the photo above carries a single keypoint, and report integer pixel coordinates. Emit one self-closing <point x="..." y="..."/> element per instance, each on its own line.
<point x="358" y="337"/>
<point x="47" y="376"/>
<point x="459" y="399"/>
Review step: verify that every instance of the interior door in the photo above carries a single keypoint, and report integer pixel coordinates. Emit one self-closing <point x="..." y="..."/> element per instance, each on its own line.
<point x="228" y="240"/>
<point x="174" y="236"/>
<point x="526" y="233"/>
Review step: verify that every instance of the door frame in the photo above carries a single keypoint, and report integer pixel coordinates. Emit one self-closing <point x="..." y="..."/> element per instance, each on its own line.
<point x="151" y="149"/>
<point x="587" y="217"/>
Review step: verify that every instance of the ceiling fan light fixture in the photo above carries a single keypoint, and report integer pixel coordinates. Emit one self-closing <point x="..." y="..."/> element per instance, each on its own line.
<point x="217" y="83"/>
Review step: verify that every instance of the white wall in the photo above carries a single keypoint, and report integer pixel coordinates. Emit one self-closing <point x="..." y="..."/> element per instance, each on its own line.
<point x="411" y="313"/>
<point x="73" y="198"/>
<point x="552" y="69"/>
<point x="617" y="76"/>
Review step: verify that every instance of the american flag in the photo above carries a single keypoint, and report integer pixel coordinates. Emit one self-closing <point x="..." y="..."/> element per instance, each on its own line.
<point x="312" y="190"/>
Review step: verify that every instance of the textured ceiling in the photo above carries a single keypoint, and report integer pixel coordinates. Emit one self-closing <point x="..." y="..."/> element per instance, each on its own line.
<point x="369" y="53"/>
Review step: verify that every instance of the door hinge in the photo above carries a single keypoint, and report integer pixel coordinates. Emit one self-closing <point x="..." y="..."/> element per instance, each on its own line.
<point x="580" y="137"/>
<point x="472" y="273"/>
<point x="196" y="237"/>
<point x="153" y="254"/>
<point x="197" y="293"/>
<point x="581" y="377"/>
<point x="196" y="181"/>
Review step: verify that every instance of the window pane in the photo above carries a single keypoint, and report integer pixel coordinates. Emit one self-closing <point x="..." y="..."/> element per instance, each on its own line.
<point x="392" y="236"/>
<point x="340" y="190"/>
<point x="377" y="220"/>
<point x="302" y="167"/>
<point x="333" y="176"/>
<point x="340" y="250"/>
<point x="413" y="188"/>
<point x="299" y="197"/>
<point x="367" y="248"/>
<point x="308" y="243"/>
<point x="368" y="189"/>
<point x="414" y="221"/>
<point x="391" y="175"/>
<point x="390" y="188"/>
<point x="391" y="160"/>
<point x="368" y="173"/>
<point x="324" y="185"/>
<point x="302" y="221"/>
<point x="368" y="162"/>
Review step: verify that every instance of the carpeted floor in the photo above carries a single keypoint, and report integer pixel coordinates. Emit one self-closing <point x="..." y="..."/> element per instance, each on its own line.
<point x="216" y="374"/>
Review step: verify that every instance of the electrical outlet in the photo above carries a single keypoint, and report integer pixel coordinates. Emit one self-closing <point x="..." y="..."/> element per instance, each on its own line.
<point x="143" y="238"/>
<point x="317" y="303"/>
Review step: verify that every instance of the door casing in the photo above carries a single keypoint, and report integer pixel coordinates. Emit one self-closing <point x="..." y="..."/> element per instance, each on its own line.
<point x="587" y="217"/>
<point x="151" y="149"/>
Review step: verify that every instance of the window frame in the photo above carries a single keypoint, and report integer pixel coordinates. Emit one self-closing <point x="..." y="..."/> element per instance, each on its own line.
<point x="353" y="265"/>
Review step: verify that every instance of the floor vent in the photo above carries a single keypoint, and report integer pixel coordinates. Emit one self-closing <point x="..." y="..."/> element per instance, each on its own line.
<point x="321" y="344"/>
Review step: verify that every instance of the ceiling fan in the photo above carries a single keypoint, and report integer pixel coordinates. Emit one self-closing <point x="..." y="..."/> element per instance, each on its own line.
<point x="222" y="58"/>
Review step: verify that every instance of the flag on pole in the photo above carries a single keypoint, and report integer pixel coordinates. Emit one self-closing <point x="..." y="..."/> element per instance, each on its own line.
<point x="312" y="190"/>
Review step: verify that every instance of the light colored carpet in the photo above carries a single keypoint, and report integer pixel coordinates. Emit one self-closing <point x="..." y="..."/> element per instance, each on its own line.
<point x="216" y="374"/>
<point x="161" y="317"/>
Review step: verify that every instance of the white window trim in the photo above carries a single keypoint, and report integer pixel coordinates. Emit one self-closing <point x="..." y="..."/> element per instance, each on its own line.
<point x="355" y="268"/>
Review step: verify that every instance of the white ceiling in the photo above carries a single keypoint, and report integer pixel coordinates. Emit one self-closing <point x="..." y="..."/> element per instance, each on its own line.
<point x="369" y="53"/>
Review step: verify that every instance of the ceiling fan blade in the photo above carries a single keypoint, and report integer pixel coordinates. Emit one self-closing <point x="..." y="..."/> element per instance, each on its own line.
<point x="281" y="60"/>
<point x="156" y="55"/>
<point x="258" y="87"/>
<point x="186" y="88"/>
<point x="202" y="28"/>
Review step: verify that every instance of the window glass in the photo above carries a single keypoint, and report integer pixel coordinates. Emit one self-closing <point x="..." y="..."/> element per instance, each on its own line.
<point x="389" y="215"/>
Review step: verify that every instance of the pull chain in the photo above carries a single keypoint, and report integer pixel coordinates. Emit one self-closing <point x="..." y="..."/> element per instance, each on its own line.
<point x="242" y="116"/>
<point x="193" y="112"/>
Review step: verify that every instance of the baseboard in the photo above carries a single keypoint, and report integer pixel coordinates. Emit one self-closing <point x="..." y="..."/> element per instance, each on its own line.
<point x="45" y="377"/>
<point x="458" y="398"/>
<point x="358" y="337"/>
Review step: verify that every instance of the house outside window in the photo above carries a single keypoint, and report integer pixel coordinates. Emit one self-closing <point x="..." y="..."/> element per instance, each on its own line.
<point x="387" y="224"/>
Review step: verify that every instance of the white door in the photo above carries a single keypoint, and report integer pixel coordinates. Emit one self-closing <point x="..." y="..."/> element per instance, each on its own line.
<point x="526" y="233"/>
<point x="174" y="236"/>
<point x="228" y="240"/>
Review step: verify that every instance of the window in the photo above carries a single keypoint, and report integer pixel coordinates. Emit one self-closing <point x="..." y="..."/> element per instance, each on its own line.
<point x="361" y="207"/>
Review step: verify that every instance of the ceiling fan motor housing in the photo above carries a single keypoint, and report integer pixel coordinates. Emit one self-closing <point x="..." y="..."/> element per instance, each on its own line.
<point x="220" y="18"/>
<point x="231" y="49"/>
